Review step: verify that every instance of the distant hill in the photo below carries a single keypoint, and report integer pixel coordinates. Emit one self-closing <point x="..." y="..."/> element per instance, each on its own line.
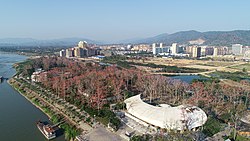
<point x="210" y="38"/>
<point x="34" y="42"/>
<point x="206" y="38"/>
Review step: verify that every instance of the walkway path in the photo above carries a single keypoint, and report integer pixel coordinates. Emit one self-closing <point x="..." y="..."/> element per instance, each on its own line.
<point x="219" y="136"/>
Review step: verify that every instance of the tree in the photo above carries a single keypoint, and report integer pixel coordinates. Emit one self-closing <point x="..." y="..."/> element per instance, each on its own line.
<point x="244" y="70"/>
<point x="236" y="114"/>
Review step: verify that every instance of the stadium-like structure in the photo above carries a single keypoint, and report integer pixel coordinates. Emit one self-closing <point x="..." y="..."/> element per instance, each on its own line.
<point x="164" y="116"/>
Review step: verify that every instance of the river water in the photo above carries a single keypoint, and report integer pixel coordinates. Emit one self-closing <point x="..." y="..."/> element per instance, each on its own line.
<point x="17" y="115"/>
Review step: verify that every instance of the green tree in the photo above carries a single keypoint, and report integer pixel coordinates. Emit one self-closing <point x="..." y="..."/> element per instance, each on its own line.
<point x="244" y="70"/>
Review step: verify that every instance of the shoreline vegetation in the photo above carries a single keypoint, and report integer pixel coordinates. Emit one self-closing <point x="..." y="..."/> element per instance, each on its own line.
<point x="54" y="116"/>
<point x="26" y="97"/>
<point x="31" y="51"/>
<point x="76" y="119"/>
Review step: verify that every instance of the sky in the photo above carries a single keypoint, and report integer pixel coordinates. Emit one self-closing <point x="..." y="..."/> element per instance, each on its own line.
<point x="114" y="20"/>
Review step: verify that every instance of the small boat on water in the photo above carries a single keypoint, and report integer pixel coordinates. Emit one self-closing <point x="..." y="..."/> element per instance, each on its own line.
<point x="46" y="129"/>
<point x="1" y="79"/>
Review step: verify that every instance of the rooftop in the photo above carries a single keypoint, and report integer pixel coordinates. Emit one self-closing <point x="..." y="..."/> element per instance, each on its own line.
<point x="177" y="118"/>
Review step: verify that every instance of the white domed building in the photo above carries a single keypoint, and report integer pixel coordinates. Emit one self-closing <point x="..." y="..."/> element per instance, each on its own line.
<point x="164" y="116"/>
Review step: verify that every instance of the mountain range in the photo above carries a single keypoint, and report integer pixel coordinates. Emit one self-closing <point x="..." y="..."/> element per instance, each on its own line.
<point x="67" y="42"/>
<point x="209" y="38"/>
<point x="182" y="37"/>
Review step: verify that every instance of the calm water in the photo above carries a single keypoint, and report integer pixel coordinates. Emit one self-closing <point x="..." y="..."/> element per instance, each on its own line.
<point x="187" y="78"/>
<point x="17" y="115"/>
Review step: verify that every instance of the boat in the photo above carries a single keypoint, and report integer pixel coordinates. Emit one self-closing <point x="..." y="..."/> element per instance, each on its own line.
<point x="46" y="129"/>
<point x="1" y="79"/>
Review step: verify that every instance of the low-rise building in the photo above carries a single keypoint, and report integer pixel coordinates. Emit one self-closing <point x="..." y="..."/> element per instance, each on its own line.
<point x="142" y="47"/>
<point x="164" y="116"/>
<point x="39" y="75"/>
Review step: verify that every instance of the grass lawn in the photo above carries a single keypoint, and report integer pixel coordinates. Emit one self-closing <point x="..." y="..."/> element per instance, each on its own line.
<point x="216" y="63"/>
<point x="240" y="67"/>
<point x="235" y="76"/>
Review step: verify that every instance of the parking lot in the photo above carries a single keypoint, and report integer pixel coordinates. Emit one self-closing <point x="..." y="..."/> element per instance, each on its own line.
<point x="102" y="134"/>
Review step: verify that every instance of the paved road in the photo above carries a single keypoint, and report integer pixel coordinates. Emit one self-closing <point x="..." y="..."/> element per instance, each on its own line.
<point x="101" y="134"/>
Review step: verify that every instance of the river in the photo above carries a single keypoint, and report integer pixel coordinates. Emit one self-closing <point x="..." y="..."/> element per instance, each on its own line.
<point x="17" y="115"/>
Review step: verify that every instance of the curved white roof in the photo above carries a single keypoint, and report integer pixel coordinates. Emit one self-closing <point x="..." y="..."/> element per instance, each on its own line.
<point x="176" y="118"/>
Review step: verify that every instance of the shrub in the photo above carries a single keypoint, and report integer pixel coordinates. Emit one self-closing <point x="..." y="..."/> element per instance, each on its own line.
<point x="211" y="127"/>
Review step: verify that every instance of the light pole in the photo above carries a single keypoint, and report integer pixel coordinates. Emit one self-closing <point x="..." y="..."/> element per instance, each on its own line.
<point x="94" y="121"/>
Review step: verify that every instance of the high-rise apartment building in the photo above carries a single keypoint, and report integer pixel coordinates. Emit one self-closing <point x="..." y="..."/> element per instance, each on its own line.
<point x="82" y="44"/>
<point x="196" y="52"/>
<point x="62" y="53"/>
<point x="174" y="48"/>
<point x="237" y="49"/>
<point x="159" y="48"/>
<point x="69" y="52"/>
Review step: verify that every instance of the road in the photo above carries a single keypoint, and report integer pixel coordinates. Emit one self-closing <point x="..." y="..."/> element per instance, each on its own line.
<point x="102" y="134"/>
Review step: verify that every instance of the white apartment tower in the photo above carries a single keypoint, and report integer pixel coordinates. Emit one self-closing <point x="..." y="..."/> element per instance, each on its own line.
<point x="154" y="48"/>
<point x="237" y="49"/>
<point x="62" y="53"/>
<point x="174" y="48"/>
<point x="215" y="52"/>
<point x="159" y="48"/>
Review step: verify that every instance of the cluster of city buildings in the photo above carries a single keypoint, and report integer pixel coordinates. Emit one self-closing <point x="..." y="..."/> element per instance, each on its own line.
<point x="197" y="51"/>
<point x="162" y="49"/>
<point x="80" y="51"/>
<point x="157" y="49"/>
<point x="124" y="47"/>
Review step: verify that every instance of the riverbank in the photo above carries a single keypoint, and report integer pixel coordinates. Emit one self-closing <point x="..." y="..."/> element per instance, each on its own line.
<point x="11" y="84"/>
<point x="19" y="53"/>
<point x="18" y="113"/>
<point x="55" y="115"/>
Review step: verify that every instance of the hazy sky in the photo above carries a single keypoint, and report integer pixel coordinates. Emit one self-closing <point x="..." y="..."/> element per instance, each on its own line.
<point x="110" y="20"/>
